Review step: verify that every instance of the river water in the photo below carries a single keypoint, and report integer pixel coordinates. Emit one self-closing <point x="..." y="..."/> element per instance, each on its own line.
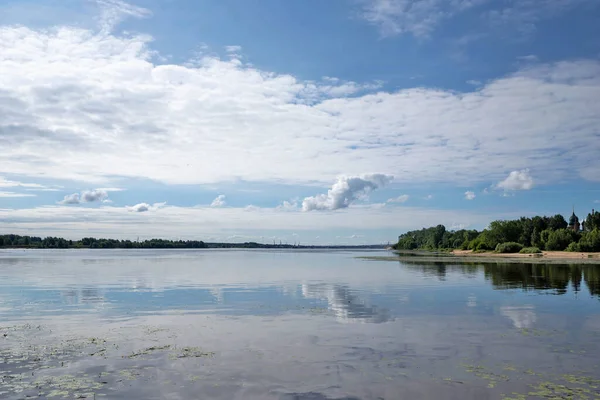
<point x="234" y="324"/>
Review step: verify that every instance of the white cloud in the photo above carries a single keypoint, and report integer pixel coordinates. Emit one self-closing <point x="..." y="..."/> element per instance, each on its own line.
<point x="87" y="196"/>
<point x="95" y="108"/>
<point x="112" y="189"/>
<point x="90" y="196"/>
<point x="233" y="49"/>
<point x="345" y="191"/>
<point x="596" y="201"/>
<point x="428" y="197"/>
<point x="6" y="183"/>
<point x="71" y="199"/>
<point x="529" y="58"/>
<point x="219" y="201"/>
<point x="143" y="207"/>
<point x="469" y="195"/>
<point x="417" y="17"/>
<point x="204" y="221"/>
<point x="474" y="82"/>
<point x="400" y="199"/>
<point x="289" y="205"/>
<point x="115" y="11"/>
<point x="13" y="194"/>
<point x="517" y="180"/>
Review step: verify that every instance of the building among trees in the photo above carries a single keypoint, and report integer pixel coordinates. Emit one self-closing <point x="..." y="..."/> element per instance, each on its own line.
<point x="574" y="222"/>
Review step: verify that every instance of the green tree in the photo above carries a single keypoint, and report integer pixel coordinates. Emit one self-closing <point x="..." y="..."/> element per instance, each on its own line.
<point x="557" y="222"/>
<point x="560" y="239"/>
<point x="592" y="221"/>
<point x="590" y="241"/>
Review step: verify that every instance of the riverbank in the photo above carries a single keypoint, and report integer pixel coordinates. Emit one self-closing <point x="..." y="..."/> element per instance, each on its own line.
<point x="468" y="256"/>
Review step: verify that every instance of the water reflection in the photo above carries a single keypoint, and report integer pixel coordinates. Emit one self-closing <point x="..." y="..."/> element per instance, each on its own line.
<point x="522" y="317"/>
<point x="549" y="278"/>
<point x="346" y="304"/>
<point x="82" y="296"/>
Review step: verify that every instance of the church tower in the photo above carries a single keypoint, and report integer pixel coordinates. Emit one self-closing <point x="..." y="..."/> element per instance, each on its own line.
<point x="574" y="222"/>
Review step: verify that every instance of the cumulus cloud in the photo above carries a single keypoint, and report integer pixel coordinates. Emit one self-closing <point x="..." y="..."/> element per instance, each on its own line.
<point x="90" y="196"/>
<point x="345" y="191"/>
<point x="144" y="207"/>
<point x="87" y="196"/>
<point x="219" y="201"/>
<point x="289" y="205"/>
<point x="71" y="199"/>
<point x="469" y="195"/>
<point x="400" y="199"/>
<point x="516" y="180"/>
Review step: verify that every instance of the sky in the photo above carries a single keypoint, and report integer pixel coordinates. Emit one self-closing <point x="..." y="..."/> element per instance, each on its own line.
<point x="311" y="122"/>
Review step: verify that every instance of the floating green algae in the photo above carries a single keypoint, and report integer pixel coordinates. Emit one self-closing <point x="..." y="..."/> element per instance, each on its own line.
<point x="148" y="350"/>
<point x="191" y="352"/>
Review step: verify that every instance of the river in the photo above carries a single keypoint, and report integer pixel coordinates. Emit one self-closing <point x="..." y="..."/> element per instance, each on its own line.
<point x="305" y="325"/>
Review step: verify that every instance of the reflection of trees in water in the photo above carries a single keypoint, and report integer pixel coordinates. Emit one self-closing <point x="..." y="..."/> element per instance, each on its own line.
<point x="529" y="276"/>
<point x="552" y="277"/>
<point x="345" y="304"/>
<point x="441" y="269"/>
<point x="591" y="276"/>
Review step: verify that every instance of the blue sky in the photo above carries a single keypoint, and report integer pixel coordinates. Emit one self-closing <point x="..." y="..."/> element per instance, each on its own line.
<point x="311" y="121"/>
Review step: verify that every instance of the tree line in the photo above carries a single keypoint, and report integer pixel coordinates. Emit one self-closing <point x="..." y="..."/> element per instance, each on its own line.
<point x="524" y="234"/>
<point x="17" y="241"/>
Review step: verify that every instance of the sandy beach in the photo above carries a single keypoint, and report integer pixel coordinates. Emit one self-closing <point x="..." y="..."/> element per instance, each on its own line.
<point x="551" y="255"/>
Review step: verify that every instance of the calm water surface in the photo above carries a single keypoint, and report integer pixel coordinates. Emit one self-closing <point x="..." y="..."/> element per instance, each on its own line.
<point x="161" y="324"/>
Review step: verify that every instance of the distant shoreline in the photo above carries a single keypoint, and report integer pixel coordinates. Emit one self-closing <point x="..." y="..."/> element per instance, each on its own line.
<point x="468" y="256"/>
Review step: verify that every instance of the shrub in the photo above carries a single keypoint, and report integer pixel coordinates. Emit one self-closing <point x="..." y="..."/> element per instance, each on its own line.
<point x="481" y="247"/>
<point x="530" y="250"/>
<point x="573" y="247"/>
<point x="590" y="241"/>
<point x="560" y="239"/>
<point x="509" y="247"/>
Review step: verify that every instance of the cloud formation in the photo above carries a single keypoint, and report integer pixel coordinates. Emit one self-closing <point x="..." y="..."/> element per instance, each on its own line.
<point x="470" y="195"/>
<point x="219" y="201"/>
<point x="400" y="199"/>
<point x="7" y="183"/>
<point x="144" y="207"/>
<point x="203" y="222"/>
<point x="517" y="180"/>
<point x="94" y="107"/>
<point x="14" y="194"/>
<point x="345" y="191"/>
<point x="87" y="196"/>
